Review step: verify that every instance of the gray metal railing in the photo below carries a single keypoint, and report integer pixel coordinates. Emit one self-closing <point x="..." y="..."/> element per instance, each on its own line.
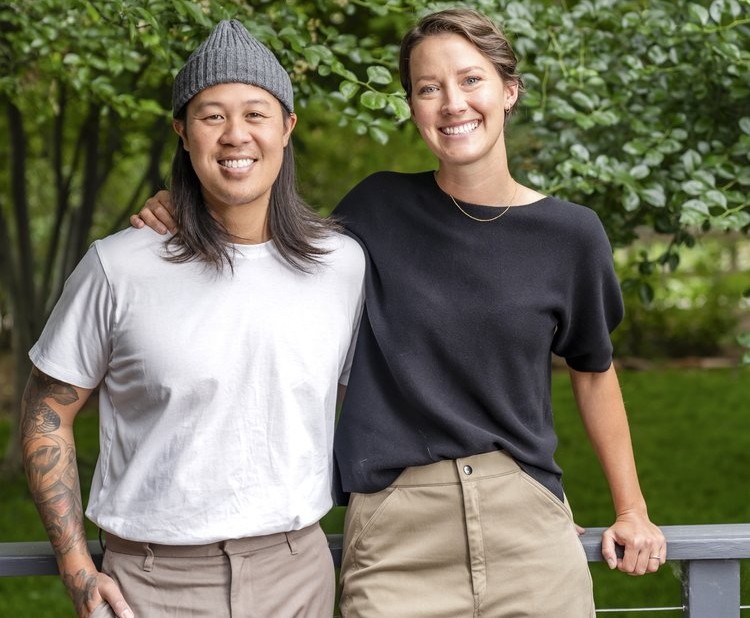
<point x="709" y="555"/>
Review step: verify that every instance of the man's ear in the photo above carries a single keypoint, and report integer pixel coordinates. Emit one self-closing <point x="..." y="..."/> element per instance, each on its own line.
<point x="179" y="128"/>
<point x="289" y="123"/>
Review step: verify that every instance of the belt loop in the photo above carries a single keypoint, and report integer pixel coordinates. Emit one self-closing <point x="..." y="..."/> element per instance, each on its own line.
<point x="148" y="563"/>
<point x="291" y="542"/>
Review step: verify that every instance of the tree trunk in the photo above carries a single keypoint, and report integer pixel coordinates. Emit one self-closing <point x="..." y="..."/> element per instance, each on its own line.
<point x="17" y="275"/>
<point x="13" y="462"/>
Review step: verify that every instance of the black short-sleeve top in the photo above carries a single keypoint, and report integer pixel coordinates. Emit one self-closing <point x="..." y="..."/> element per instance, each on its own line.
<point x="453" y="356"/>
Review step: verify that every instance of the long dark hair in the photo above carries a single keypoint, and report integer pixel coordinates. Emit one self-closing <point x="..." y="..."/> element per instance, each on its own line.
<point x="295" y="227"/>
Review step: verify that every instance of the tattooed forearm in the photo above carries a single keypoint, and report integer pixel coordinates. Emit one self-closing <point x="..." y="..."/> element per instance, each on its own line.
<point x="81" y="587"/>
<point x="50" y="461"/>
<point x="53" y="481"/>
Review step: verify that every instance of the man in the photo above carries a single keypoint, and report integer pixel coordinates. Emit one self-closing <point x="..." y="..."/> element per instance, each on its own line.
<point x="217" y="354"/>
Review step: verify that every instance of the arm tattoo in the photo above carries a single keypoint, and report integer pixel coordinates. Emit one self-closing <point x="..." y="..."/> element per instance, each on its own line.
<point x="38" y="416"/>
<point x="81" y="586"/>
<point x="50" y="462"/>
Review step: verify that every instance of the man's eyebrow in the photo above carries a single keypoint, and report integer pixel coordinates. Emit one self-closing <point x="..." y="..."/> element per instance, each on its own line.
<point x="248" y="102"/>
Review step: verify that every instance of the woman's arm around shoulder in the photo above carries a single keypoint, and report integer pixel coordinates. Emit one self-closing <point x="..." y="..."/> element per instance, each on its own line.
<point x="157" y="213"/>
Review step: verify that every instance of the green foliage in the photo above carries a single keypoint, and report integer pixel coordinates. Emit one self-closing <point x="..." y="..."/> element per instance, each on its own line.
<point x="640" y="110"/>
<point x="636" y="109"/>
<point x="695" y="311"/>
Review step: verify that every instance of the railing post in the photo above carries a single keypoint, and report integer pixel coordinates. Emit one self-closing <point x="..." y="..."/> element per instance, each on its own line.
<point x="711" y="588"/>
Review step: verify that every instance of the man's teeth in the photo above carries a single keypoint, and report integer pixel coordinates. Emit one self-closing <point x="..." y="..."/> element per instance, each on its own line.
<point x="464" y="128"/>
<point x="237" y="162"/>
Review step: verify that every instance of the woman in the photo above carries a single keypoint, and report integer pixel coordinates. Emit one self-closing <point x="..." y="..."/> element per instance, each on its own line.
<point x="445" y="441"/>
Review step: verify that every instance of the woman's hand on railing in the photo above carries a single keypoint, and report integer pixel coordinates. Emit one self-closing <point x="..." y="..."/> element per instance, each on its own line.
<point x="645" y="548"/>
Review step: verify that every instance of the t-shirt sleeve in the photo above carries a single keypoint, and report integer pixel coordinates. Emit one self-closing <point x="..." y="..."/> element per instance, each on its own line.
<point x="593" y="307"/>
<point x="360" y="254"/>
<point x="344" y="377"/>
<point x="75" y="344"/>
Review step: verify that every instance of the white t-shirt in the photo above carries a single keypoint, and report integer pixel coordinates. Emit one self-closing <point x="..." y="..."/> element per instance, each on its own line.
<point x="218" y="391"/>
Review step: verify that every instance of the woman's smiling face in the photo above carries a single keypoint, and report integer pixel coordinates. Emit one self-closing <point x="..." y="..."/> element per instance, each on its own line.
<point x="458" y="99"/>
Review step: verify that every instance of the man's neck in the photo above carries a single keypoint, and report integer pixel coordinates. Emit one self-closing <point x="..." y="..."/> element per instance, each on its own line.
<point x="246" y="225"/>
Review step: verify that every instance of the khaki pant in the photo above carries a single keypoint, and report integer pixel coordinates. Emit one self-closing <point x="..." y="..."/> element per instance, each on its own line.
<point x="286" y="575"/>
<point x="462" y="539"/>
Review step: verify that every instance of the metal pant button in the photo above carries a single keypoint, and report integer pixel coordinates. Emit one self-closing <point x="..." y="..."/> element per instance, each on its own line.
<point x="468" y="470"/>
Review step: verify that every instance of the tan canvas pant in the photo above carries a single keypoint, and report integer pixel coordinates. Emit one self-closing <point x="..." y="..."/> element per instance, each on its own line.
<point x="286" y="575"/>
<point x="463" y="539"/>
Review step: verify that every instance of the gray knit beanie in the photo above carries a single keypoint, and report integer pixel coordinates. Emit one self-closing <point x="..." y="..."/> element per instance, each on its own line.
<point x="231" y="54"/>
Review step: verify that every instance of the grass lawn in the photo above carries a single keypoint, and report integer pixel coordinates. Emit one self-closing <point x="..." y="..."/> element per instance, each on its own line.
<point x="691" y="431"/>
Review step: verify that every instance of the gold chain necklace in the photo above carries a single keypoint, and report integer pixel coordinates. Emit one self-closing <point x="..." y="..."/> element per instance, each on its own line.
<point x="496" y="217"/>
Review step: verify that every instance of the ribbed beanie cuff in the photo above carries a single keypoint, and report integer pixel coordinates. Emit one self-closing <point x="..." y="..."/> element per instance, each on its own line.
<point x="231" y="55"/>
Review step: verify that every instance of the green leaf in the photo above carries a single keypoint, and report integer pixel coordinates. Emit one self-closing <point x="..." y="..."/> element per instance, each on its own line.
<point x="696" y="206"/>
<point x="745" y="125"/>
<point x="348" y="89"/>
<point x="717" y="198"/>
<point x="654" y="195"/>
<point x="379" y="75"/>
<point x="690" y="160"/>
<point x="380" y="136"/>
<point x="312" y="56"/>
<point x="693" y="187"/>
<point x="716" y="9"/>
<point x="636" y="147"/>
<point x="583" y="100"/>
<point x="645" y="293"/>
<point x="580" y="152"/>
<point x="669" y="146"/>
<point x="373" y="100"/>
<point x="400" y="106"/>
<point x="639" y="171"/>
<point x="631" y="201"/>
<point x="698" y="12"/>
<point x="691" y="218"/>
<point x="196" y="12"/>
<point x="653" y="158"/>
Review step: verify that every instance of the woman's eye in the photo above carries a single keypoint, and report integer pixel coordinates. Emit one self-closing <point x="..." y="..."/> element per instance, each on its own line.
<point x="427" y="89"/>
<point x="472" y="81"/>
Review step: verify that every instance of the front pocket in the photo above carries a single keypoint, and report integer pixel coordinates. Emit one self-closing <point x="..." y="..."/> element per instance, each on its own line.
<point x="372" y="509"/>
<point x="545" y="493"/>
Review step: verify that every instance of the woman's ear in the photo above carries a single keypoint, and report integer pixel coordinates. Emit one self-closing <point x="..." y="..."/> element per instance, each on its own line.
<point x="511" y="94"/>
